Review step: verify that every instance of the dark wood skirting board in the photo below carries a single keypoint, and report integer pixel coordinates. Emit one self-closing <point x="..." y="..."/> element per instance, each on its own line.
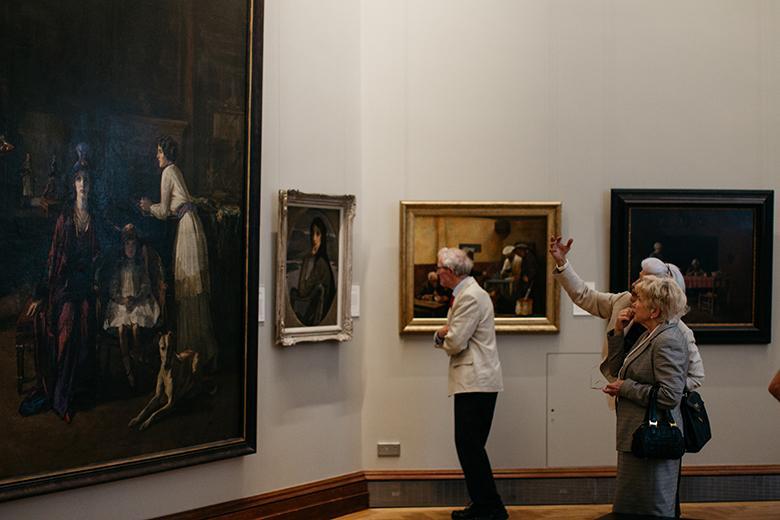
<point x="346" y="494"/>
<point x="322" y="499"/>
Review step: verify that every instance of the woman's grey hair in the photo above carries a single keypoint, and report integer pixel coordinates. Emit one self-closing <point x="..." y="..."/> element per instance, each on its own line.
<point x="456" y="260"/>
<point x="660" y="268"/>
<point x="664" y="295"/>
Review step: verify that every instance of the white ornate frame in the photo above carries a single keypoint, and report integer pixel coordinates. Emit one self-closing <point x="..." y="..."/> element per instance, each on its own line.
<point x="342" y="331"/>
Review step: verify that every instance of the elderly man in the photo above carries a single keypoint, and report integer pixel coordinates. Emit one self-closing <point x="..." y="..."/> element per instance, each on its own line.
<point x="469" y="338"/>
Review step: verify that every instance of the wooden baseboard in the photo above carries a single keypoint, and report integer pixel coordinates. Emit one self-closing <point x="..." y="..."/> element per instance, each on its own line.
<point x="349" y="493"/>
<point x="322" y="499"/>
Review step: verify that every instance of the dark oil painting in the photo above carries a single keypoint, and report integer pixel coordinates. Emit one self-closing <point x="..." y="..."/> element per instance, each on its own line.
<point x="125" y="145"/>
<point x="312" y="266"/>
<point x="720" y="241"/>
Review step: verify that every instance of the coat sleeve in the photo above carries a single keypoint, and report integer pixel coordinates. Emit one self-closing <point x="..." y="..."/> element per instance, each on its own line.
<point x="462" y="324"/>
<point x="670" y="363"/>
<point x="594" y="302"/>
<point x="695" y="377"/>
<point x="615" y="355"/>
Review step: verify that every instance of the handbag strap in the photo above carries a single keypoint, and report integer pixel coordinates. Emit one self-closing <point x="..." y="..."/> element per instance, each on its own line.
<point x="651" y="413"/>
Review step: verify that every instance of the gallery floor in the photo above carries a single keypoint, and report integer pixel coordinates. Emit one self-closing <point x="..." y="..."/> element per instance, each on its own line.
<point x="699" y="511"/>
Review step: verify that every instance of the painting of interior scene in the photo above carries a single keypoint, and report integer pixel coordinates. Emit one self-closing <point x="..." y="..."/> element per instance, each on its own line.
<point x="312" y="266"/>
<point x="715" y="251"/>
<point x="509" y="255"/>
<point x="122" y="163"/>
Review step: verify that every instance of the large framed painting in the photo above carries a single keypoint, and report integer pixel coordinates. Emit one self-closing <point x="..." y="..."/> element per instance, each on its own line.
<point x="507" y="242"/>
<point x="722" y="242"/>
<point x="314" y="267"/>
<point x="129" y="164"/>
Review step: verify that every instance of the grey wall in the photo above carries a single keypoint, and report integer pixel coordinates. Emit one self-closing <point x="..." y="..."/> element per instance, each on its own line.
<point x="494" y="100"/>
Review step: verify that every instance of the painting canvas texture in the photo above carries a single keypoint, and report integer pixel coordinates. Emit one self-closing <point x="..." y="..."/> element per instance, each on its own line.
<point x="312" y="266"/>
<point x="123" y="164"/>
<point x="714" y="249"/>
<point x="509" y="255"/>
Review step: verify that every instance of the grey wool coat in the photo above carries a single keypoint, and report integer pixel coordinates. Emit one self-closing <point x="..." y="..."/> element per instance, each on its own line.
<point x="659" y="356"/>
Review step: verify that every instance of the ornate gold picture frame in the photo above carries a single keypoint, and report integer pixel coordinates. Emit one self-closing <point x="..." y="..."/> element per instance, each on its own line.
<point x="508" y="244"/>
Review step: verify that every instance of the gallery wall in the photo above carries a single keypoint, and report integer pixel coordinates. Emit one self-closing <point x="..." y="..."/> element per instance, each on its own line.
<point x="557" y="100"/>
<point x="499" y="100"/>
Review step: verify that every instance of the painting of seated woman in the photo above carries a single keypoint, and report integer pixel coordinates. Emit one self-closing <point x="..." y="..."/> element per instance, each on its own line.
<point x="312" y="266"/>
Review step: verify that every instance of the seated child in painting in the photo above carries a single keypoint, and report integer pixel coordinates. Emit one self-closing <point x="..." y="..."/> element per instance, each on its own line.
<point x="132" y="304"/>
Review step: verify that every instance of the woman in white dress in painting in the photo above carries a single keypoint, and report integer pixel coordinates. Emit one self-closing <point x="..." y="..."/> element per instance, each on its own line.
<point x="192" y="287"/>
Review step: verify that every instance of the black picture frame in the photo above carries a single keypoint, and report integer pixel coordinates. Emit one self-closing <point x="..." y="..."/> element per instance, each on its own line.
<point x="728" y="233"/>
<point x="216" y="93"/>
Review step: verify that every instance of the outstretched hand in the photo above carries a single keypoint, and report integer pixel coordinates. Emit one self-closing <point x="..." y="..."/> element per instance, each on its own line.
<point x="559" y="250"/>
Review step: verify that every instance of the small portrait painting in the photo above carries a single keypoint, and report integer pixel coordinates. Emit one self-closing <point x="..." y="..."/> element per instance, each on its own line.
<point x="312" y="266"/>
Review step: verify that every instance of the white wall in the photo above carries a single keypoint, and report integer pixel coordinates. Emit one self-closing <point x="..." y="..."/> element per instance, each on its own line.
<point x="481" y="100"/>
<point x="557" y="100"/>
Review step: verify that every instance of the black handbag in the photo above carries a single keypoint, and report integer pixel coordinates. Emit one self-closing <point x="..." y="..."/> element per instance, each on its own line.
<point x="657" y="439"/>
<point x="695" y="422"/>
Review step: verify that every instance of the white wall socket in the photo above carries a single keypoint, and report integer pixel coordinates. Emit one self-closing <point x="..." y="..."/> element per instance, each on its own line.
<point x="388" y="449"/>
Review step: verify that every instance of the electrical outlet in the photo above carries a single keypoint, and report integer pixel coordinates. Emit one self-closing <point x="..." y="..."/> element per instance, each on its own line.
<point x="388" y="449"/>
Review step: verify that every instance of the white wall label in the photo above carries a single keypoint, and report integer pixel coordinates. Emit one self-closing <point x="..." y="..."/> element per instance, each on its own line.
<point x="355" y="311"/>
<point x="261" y="304"/>
<point x="579" y="311"/>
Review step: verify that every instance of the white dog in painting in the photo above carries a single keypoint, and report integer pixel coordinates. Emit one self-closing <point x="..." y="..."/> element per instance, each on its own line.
<point x="178" y="376"/>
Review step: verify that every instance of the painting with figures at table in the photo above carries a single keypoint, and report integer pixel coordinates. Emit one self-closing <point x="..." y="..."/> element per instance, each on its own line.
<point x="721" y="240"/>
<point x="506" y="242"/>
<point x="128" y="222"/>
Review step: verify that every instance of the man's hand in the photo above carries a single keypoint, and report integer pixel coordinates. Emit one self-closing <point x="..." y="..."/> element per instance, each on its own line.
<point x="613" y="388"/>
<point x="442" y="332"/>
<point x="559" y="250"/>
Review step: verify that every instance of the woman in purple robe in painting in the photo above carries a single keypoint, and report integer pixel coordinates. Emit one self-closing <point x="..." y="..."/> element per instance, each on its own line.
<point x="70" y="316"/>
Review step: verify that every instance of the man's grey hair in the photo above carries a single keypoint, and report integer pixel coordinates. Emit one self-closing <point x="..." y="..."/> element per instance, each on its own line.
<point x="660" y="268"/>
<point x="455" y="259"/>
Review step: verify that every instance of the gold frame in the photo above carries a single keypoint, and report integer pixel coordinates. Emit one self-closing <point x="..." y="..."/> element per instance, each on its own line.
<point x="410" y="210"/>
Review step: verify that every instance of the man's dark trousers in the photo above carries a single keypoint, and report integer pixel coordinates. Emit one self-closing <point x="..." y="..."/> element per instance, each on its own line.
<point x="473" y="418"/>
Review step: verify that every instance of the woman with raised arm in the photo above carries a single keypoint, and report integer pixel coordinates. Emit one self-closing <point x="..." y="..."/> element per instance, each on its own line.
<point x="607" y="305"/>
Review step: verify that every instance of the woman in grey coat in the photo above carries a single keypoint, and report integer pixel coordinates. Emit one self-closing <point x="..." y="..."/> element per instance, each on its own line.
<point x="659" y="357"/>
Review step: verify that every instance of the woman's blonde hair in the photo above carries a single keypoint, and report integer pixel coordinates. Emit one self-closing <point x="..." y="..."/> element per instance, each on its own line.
<point x="663" y="295"/>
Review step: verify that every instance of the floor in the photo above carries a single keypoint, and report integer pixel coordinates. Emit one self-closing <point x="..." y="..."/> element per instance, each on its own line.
<point x="700" y="511"/>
